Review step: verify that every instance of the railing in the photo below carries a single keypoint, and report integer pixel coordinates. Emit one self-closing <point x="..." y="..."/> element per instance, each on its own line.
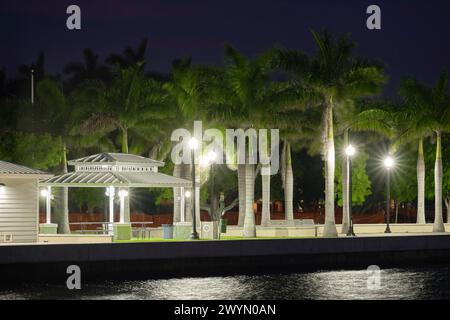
<point x="105" y="226"/>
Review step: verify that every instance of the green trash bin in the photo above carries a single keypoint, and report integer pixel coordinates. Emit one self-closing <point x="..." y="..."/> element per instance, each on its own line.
<point x="223" y="225"/>
<point x="167" y="231"/>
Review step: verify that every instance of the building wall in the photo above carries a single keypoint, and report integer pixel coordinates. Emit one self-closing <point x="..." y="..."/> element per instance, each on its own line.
<point x="19" y="210"/>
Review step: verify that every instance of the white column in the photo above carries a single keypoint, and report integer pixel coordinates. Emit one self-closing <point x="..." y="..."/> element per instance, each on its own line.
<point x="182" y="205"/>
<point x="48" y="205"/>
<point x="111" y="194"/>
<point x="122" y="208"/>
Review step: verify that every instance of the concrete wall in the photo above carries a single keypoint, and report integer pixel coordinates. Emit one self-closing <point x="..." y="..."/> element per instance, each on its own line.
<point x="19" y="210"/>
<point x="163" y="259"/>
<point x="73" y="238"/>
<point x="233" y="231"/>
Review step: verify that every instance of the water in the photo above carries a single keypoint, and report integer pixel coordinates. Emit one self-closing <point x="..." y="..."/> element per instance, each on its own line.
<point x="405" y="283"/>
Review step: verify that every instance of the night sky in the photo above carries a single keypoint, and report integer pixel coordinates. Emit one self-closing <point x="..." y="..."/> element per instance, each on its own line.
<point x="414" y="40"/>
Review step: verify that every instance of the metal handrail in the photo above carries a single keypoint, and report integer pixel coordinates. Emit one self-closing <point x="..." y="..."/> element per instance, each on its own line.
<point x="105" y="226"/>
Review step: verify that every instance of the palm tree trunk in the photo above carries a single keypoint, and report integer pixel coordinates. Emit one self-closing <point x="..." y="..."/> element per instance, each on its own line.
<point x="241" y="190"/>
<point x="265" y="212"/>
<point x="420" y="184"/>
<point x="345" y="190"/>
<point x="289" y="186"/>
<point x="447" y="205"/>
<point x="438" y="225"/>
<point x="330" y="225"/>
<point x="249" y="220"/>
<point x="124" y="145"/>
<point x="396" y="211"/>
<point x="62" y="201"/>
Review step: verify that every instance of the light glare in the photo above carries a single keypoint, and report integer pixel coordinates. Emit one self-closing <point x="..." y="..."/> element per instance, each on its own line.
<point x="350" y="150"/>
<point x="123" y="193"/>
<point x="193" y="143"/>
<point x="44" y="193"/>
<point x="388" y="162"/>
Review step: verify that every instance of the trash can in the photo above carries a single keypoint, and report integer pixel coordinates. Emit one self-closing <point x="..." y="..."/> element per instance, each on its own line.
<point x="167" y="231"/>
<point x="223" y="226"/>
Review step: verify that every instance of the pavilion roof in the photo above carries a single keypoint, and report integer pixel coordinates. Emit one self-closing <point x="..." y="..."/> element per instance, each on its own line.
<point x="106" y="158"/>
<point x="145" y="179"/>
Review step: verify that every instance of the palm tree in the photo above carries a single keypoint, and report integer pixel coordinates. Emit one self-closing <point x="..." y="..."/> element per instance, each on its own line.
<point x="432" y="111"/>
<point x="130" y="104"/>
<point x="336" y="75"/>
<point x="239" y="99"/>
<point x="89" y="69"/>
<point x="186" y="90"/>
<point x="415" y="129"/>
<point x="130" y="56"/>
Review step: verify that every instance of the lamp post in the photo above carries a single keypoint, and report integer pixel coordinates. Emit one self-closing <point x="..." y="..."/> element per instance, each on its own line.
<point x="350" y="152"/>
<point x="193" y="145"/>
<point x="388" y="164"/>
<point x="212" y="156"/>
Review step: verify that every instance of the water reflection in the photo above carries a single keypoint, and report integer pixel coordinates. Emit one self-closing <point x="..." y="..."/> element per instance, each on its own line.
<point x="425" y="283"/>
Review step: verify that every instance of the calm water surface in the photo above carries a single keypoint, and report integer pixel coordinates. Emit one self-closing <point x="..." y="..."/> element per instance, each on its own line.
<point x="415" y="283"/>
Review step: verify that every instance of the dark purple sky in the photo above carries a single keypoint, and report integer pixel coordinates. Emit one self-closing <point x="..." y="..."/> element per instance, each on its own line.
<point x="415" y="35"/>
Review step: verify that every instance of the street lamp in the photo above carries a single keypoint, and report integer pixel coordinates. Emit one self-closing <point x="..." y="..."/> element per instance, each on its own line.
<point x="212" y="156"/>
<point x="388" y="164"/>
<point x="350" y="152"/>
<point x="193" y="145"/>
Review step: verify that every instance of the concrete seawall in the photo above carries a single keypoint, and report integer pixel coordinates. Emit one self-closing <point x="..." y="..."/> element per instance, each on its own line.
<point x="44" y="262"/>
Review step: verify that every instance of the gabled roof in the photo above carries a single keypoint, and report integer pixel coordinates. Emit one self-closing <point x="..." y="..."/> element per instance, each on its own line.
<point x="116" y="159"/>
<point x="8" y="168"/>
<point x="116" y="179"/>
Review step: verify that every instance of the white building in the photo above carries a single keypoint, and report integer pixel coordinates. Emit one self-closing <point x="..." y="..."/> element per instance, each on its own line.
<point x="19" y="203"/>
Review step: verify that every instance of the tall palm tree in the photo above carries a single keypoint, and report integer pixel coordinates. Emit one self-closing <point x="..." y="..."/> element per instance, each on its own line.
<point x="433" y="105"/>
<point x="130" y="104"/>
<point x="185" y="88"/>
<point x="336" y="75"/>
<point x="415" y="129"/>
<point x="240" y="98"/>
<point x="130" y="56"/>
<point x="89" y="69"/>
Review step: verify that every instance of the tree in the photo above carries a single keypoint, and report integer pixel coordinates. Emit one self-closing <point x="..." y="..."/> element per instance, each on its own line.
<point x="130" y="56"/>
<point x="130" y="104"/>
<point x="241" y="97"/>
<point x="432" y="111"/>
<point x="337" y="76"/>
<point x="51" y="118"/>
<point x="361" y="184"/>
<point x="89" y="69"/>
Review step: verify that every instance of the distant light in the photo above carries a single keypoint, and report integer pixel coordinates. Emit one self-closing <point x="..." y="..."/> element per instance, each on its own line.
<point x="350" y="150"/>
<point x="193" y="143"/>
<point x="123" y="193"/>
<point x="389" y="162"/>
<point x="2" y="187"/>
<point x="44" y="193"/>
<point x="187" y="194"/>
